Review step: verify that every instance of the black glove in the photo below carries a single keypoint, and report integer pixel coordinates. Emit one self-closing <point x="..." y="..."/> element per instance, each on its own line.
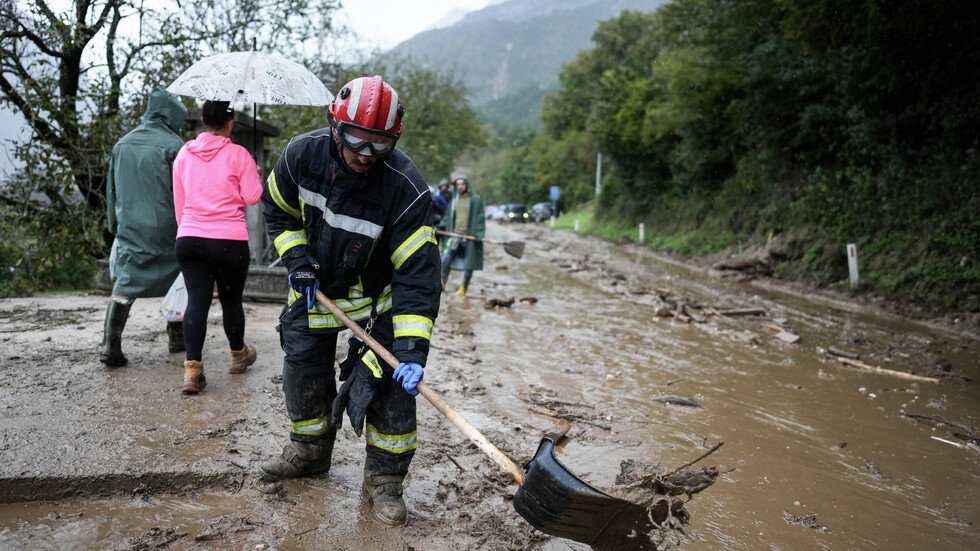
<point x="357" y="393"/>
<point x="304" y="281"/>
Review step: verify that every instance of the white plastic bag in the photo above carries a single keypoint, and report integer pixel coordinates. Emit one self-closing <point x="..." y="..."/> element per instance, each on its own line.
<point x="113" y="259"/>
<point x="175" y="302"/>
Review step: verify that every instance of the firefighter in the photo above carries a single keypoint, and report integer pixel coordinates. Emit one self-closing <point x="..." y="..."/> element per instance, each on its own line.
<point x="351" y="215"/>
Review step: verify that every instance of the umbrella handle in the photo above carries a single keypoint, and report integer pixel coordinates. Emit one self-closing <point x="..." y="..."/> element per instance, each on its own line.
<point x="432" y="396"/>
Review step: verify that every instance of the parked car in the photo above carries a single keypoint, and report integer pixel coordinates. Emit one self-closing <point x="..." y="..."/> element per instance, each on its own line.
<point x="515" y="212"/>
<point x="491" y="211"/>
<point x="541" y="211"/>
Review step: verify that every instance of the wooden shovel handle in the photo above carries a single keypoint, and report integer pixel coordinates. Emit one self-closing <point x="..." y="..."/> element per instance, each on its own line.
<point x="432" y="396"/>
<point x="440" y="232"/>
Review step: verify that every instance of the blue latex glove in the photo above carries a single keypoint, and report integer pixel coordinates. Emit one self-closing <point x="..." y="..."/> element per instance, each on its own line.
<point x="409" y="374"/>
<point x="304" y="280"/>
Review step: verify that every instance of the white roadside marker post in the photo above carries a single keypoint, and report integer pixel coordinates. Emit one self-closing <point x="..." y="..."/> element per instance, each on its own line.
<point x="852" y="263"/>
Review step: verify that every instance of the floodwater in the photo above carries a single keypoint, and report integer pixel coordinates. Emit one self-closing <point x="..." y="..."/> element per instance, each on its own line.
<point x="815" y="454"/>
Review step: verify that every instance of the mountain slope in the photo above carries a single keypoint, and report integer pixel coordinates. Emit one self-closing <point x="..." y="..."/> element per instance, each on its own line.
<point x="507" y="51"/>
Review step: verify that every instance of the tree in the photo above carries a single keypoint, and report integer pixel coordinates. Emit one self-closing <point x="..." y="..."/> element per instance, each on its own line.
<point x="79" y="78"/>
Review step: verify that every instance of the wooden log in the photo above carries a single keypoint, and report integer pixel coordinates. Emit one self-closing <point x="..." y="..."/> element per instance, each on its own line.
<point x="901" y="374"/>
<point x="744" y="312"/>
<point x="676" y="400"/>
<point x="688" y="310"/>
<point x="719" y="315"/>
<point x="542" y="411"/>
<point x="841" y="354"/>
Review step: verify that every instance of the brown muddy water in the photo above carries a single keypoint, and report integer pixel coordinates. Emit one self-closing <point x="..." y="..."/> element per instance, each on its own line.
<point x="816" y="454"/>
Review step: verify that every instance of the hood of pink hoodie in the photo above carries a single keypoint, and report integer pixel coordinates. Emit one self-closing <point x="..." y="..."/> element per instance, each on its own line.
<point x="206" y="145"/>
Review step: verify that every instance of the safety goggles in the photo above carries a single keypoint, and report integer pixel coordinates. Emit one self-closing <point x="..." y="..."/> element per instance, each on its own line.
<point x="360" y="140"/>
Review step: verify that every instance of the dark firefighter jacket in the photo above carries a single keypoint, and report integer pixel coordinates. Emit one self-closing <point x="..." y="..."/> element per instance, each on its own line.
<point x="369" y="237"/>
<point x="140" y="199"/>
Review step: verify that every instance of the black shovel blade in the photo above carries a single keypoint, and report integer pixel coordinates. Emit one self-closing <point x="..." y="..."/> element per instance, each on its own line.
<point x="556" y="502"/>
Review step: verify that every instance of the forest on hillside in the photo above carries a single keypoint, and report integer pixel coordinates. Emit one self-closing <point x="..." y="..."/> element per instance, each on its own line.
<point x="720" y="122"/>
<point x="826" y="121"/>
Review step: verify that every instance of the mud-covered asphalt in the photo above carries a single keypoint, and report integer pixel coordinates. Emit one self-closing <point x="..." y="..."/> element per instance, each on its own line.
<point x="815" y="453"/>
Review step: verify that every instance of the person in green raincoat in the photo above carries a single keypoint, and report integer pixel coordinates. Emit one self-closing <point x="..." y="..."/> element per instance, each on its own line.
<point x="464" y="216"/>
<point x="140" y="213"/>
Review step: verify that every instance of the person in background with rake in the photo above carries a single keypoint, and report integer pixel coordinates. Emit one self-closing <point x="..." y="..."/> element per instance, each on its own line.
<point x="465" y="216"/>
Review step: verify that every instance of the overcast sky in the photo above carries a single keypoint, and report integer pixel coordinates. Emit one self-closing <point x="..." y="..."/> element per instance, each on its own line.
<point x="386" y="23"/>
<point x="380" y="23"/>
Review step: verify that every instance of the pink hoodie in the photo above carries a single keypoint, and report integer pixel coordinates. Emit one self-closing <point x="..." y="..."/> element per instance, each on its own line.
<point x="213" y="179"/>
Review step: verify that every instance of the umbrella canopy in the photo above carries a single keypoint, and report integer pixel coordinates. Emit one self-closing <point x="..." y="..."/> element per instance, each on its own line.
<point x="252" y="77"/>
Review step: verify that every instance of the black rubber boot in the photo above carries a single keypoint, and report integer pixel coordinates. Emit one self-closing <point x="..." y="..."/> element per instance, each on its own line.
<point x="385" y="493"/>
<point x="116" y="315"/>
<point x="175" y="336"/>
<point x="299" y="459"/>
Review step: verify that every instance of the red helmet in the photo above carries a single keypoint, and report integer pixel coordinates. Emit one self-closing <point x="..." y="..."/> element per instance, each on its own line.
<point x="367" y="116"/>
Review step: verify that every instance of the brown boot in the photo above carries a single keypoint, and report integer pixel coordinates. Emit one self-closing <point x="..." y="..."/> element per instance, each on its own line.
<point x="194" y="380"/>
<point x="385" y="493"/>
<point x="241" y="359"/>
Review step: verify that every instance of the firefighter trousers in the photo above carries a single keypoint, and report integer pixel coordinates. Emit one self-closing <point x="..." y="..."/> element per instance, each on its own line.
<point x="309" y="384"/>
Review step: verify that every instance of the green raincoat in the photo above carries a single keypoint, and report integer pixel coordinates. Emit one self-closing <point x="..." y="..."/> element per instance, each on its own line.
<point x="140" y="199"/>
<point x="477" y="227"/>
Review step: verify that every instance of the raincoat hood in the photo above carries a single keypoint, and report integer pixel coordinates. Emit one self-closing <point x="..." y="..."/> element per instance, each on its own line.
<point x="206" y="145"/>
<point x="165" y="107"/>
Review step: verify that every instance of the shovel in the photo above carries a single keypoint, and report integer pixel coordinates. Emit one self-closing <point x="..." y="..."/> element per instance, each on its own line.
<point x="550" y="497"/>
<point x="513" y="248"/>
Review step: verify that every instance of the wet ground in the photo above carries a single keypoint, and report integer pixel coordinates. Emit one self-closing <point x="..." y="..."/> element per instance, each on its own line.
<point x="814" y="453"/>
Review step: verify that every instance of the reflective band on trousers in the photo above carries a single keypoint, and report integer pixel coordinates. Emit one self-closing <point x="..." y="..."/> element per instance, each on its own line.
<point x="313" y="427"/>
<point x="394" y="443"/>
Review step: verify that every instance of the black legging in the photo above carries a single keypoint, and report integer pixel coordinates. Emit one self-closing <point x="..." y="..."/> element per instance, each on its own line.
<point x="204" y="262"/>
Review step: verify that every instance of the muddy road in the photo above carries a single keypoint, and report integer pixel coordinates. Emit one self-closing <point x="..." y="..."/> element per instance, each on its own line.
<point x="816" y="454"/>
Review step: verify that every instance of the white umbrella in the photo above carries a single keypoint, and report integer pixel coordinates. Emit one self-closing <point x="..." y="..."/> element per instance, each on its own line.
<point x="252" y="77"/>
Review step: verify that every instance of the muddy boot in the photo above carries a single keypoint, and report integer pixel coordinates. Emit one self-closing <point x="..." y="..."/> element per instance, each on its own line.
<point x="194" y="380"/>
<point x="298" y="459"/>
<point x="241" y="359"/>
<point x="461" y="292"/>
<point x="385" y="493"/>
<point x="175" y="336"/>
<point x="116" y="315"/>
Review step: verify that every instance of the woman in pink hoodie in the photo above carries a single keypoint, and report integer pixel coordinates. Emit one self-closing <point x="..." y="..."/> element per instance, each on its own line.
<point x="213" y="180"/>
